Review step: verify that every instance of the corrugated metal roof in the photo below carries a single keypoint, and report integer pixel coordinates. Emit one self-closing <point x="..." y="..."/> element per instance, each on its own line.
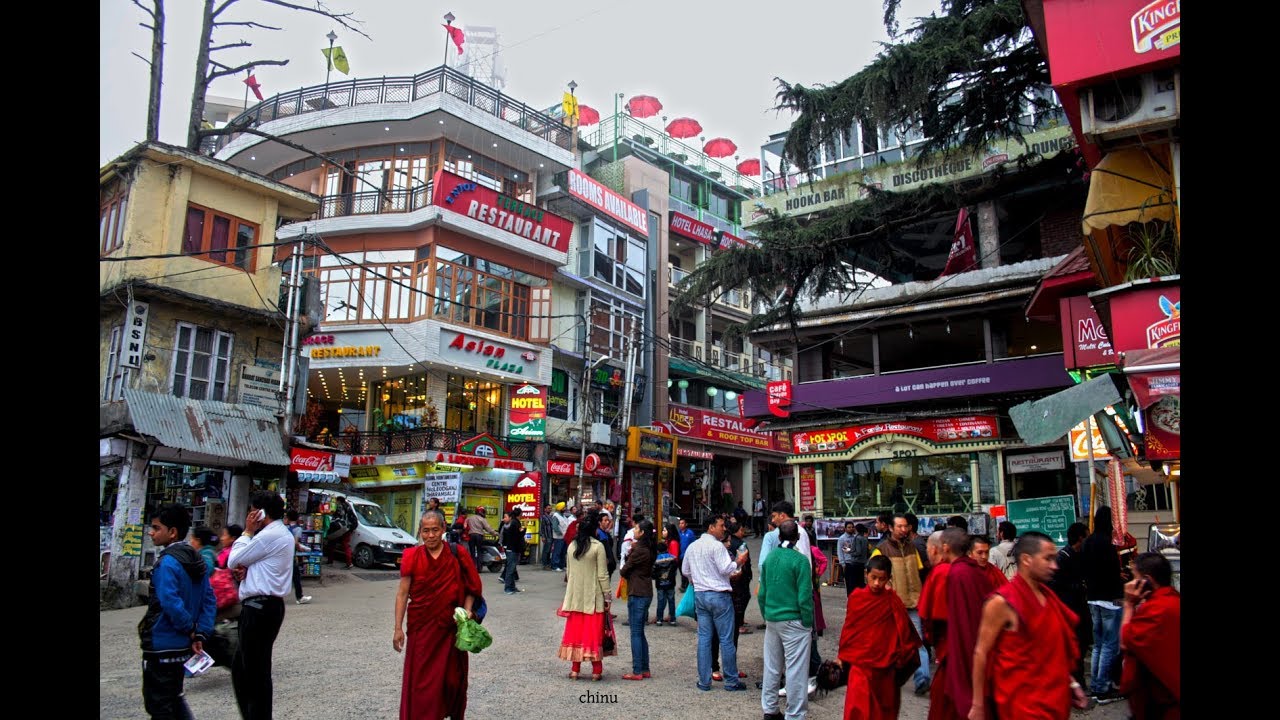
<point x="238" y="432"/>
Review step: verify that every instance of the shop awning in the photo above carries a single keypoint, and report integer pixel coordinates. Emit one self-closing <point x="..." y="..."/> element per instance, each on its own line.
<point x="1130" y="185"/>
<point x="1153" y="374"/>
<point x="234" y="432"/>
<point x="1049" y="418"/>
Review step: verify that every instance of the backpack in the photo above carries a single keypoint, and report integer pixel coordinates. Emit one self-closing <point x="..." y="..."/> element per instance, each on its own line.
<point x="480" y="608"/>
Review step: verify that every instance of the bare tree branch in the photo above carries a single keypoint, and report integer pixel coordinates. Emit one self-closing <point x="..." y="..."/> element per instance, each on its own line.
<point x="320" y="9"/>
<point x="224" y="6"/>
<point x="236" y="70"/>
<point x="145" y="9"/>
<point x="247" y="24"/>
<point x="231" y="45"/>
<point x="141" y="58"/>
<point x="218" y="64"/>
<point x="149" y="27"/>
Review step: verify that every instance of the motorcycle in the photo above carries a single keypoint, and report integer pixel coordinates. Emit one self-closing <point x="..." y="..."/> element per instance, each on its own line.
<point x="492" y="555"/>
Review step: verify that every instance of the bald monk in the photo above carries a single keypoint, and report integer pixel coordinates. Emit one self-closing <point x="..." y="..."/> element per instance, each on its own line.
<point x="1029" y="636"/>
<point x="878" y="646"/>
<point x="1151" y="640"/>
<point x="951" y="544"/>
<point x="968" y="587"/>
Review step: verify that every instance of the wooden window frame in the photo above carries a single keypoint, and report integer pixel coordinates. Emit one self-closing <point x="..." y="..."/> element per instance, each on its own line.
<point x="114" y="209"/>
<point x="211" y="380"/>
<point x="206" y="251"/>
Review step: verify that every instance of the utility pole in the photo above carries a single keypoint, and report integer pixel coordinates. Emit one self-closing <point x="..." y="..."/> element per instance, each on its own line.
<point x="627" y="389"/>
<point x="587" y="369"/>
<point x="289" y="359"/>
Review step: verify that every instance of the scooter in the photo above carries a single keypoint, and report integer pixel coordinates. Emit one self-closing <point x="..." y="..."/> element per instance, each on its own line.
<point x="492" y="556"/>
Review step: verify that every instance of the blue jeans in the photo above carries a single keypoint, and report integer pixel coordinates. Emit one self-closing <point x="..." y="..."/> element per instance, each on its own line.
<point x="715" y="610"/>
<point x="557" y="554"/>
<point x="513" y="559"/>
<point x="921" y="676"/>
<point x="637" y="614"/>
<point x="666" y="597"/>
<point x="1106" y="647"/>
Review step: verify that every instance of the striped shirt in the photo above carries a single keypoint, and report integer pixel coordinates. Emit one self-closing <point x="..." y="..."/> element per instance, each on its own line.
<point x="708" y="565"/>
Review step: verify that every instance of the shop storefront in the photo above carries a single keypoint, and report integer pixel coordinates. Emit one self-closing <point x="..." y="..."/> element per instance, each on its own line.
<point x="651" y="458"/>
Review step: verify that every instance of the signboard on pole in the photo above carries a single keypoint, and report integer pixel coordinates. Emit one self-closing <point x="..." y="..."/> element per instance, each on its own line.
<point x="808" y="487"/>
<point x="446" y="486"/>
<point x="1049" y="515"/>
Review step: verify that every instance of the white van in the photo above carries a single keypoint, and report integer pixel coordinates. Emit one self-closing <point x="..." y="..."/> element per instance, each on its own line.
<point x="376" y="538"/>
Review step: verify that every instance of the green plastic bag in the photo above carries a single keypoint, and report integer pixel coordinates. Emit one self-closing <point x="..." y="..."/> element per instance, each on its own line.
<point x="472" y="637"/>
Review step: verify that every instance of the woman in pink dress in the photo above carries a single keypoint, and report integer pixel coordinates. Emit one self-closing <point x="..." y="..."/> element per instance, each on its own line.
<point x="586" y="600"/>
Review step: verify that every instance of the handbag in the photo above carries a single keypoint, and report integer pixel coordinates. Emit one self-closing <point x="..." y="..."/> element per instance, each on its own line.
<point x="610" y="641"/>
<point x="479" y="607"/>
<point x="687" y="608"/>
<point x="622" y="589"/>
<point x="225" y="590"/>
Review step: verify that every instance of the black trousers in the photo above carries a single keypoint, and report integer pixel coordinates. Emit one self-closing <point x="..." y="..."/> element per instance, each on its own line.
<point x="162" y="675"/>
<point x="854" y="576"/>
<point x="297" y="580"/>
<point x="260" y="620"/>
<point x="757" y="525"/>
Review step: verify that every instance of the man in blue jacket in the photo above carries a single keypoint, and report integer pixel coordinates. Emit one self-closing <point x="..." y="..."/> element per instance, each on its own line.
<point x="179" y="615"/>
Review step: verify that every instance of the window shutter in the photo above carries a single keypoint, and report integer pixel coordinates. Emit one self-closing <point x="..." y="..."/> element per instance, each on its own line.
<point x="540" y="314"/>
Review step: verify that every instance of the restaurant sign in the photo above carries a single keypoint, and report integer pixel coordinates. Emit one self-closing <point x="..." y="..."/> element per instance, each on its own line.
<point x="516" y="218"/>
<point x="699" y="424"/>
<point x="696" y="230"/>
<point x="1084" y="339"/>
<point x="936" y="430"/>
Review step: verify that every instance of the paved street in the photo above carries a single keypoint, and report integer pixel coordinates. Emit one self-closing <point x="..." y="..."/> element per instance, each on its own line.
<point x="334" y="660"/>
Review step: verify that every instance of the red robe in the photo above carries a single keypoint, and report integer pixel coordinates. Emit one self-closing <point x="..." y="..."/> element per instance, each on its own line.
<point x="968" y="586"/>
<point x="997" y="578"/>
<point x="570" y="532"/>
<point x="435" y="672"/>
<point x="1151" y="643"/>
<point x="878" y="641"/>
<point x="1031" y="666"/>
<point x="933" y="619"/>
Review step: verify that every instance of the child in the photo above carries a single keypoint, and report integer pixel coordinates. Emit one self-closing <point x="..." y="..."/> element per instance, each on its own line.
<point x="665" y="569"/>
<point x="179" y="616"/>
<point x="878" y="646"/>
<point x="202" y="540"/>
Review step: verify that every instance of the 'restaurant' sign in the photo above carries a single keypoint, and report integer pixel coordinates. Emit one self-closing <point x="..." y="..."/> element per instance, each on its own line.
<point x="498" y="211"/>
<point x="937" y="430"/>
<point x="609" y="202"/>
<point x="699" y="424"/>
<point x="1036" y="462"/>
<point x="696" y="230"/>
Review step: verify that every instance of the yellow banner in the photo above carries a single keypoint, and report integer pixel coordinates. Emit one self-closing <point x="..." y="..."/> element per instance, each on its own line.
<point x="570" y="106"/>
<point x="337" y="59"/>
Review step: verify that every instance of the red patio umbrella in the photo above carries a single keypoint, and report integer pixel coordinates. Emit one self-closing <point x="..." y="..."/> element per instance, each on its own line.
<point x="643" y="106"/>
<point x="588" y="115"/>
<point x="719" y="147"/>
<point x="749" y="167"/>
<point x="684" y="128"/>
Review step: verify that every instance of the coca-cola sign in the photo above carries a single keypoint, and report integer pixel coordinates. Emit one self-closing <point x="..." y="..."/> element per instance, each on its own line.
<point x="303" y="460"/>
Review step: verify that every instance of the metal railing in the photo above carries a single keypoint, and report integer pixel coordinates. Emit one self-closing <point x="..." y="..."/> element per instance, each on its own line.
<point x="374" y="202"/>
<point x="403" y="441"/>
<point x="686" y="348"/>
<point x="677" y="275"/>
<point x="386" y="90"/>
<point x="690" y="156"/>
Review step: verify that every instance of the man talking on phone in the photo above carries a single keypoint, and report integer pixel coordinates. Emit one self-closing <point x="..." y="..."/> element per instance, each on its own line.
<point x="264" y="553"/>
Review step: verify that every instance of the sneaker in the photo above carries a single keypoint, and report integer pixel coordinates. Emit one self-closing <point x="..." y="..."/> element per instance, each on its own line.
<point x="923" y="688"/>
<point x="304" y="599"/>
<point x="741" y="674"/>
<point x="508" y="592"/>
<point x="813" y="685"/>
<point x="733" y="687"/>
<point x="658" y="622"/>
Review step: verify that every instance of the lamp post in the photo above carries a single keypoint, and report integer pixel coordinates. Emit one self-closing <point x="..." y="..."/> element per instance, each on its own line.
<point x="448" y="21"/>
<point x="328" y="68"/>
<point x="616" y="111"/>
<point x="573" y="86"/>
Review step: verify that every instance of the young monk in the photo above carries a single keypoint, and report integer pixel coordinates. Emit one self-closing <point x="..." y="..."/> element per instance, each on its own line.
<point x="952" y="544"/>
<point x="1030" y="638"/>
<point x="878" y="646"/>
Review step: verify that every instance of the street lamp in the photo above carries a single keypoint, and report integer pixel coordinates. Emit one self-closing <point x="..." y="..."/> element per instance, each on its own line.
<point x="448" y="20"/>
<point x="616" y="100"/>
<point x="328" y="68"/>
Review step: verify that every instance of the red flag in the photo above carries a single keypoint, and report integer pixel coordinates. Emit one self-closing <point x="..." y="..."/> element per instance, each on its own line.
<point x="964" y="256"/>
<point x="456" y="35"/>
<point x="252" y="82"/>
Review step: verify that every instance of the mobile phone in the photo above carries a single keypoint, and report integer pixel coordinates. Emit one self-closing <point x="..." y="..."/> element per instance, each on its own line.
<point x="260" y="515"/>
<point x="1146" y="585"/>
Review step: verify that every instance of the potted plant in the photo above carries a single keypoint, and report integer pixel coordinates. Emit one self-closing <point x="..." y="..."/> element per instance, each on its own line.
<point x="1153" y="251"/>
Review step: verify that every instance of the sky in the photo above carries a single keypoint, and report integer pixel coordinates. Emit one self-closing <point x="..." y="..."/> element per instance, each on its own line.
<point x="711" y="60"/>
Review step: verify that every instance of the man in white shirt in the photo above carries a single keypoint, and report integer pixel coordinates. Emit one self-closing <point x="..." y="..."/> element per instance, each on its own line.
<point x="710" y="569"/>
<point x="264" y="553"/>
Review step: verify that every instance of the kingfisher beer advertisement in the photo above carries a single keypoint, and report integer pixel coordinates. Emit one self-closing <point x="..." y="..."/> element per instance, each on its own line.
<point x="529" y="412"/>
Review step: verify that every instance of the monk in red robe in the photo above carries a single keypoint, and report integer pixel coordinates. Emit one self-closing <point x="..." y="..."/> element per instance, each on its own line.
<point x="878" y="645"/>
<point x="968" y="586"/>
<point x="1027" y="643"/>
<point x="1151" y="641"/>
<point x="434" y="579"/>
<point x="981" y="551"/>
<point x="952" y="544"/>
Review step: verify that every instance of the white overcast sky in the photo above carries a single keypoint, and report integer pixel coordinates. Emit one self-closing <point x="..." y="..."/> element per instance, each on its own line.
<point x="712" y="60"/>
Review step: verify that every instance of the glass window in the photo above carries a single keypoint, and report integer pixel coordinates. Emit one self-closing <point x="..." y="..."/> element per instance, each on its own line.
<point x="117" y="378"/>
<point x="201" y="363"/>
<point x="473" y="405"/>
<point x="208" y="235"/>
<point x="619" y="260"/>
<point x="925" y="485"/>
<point x="988" y="479"/>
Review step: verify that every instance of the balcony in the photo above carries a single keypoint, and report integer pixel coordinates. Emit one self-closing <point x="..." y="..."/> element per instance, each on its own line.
<point x="739" y="300"/>
<point x="676" y="275"/>
<point x="403" y="441"/>
<point x="686" y="348"/>
<point x="622" y="127"/>
<point x="386" y="90"/>
<point x="375" y="202"/>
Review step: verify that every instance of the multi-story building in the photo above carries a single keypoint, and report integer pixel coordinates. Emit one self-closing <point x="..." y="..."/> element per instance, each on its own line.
<point x="435" y="262"/>
<point x="192" y="333"/>
<point x="902" y="388"/>
<point x="699" y="369"/>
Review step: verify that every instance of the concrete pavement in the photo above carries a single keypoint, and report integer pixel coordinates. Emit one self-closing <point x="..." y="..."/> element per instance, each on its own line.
<point x="334" y="659"/>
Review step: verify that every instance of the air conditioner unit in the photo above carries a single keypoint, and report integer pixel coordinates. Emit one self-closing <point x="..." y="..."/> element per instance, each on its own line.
<point x="1131" y="105"/>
